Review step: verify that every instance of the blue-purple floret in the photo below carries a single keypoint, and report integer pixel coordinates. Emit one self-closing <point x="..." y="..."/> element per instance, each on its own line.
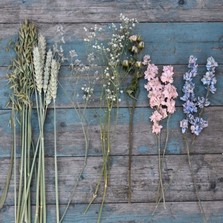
<point x="193" y="104"/>
<point x="209" y="79"/>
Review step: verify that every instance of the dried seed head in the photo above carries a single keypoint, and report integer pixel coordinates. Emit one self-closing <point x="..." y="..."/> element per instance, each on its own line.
<point x="52" y="88"/>
<point x="47" y="70"/>
<point x="42" y="48"/>
<point x="38" y="75"/>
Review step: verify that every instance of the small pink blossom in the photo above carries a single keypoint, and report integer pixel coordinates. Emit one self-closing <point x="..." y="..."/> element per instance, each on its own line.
<point x="167" y="75"/>
<point x="156" y="128"/>
<point x="146" y="60"/>
<point x="151" y="72"/>
<point x="156" y="117"/>
<point x="170" y="91"/>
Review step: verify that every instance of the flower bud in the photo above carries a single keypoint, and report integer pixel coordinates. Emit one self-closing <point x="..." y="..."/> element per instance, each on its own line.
<point x="139" y="38"/>
<point x="141" y="45"/>
<point x="134" y="49"/>
<point x="125" y="63"/>
<point x="133" y="38"/>
<point x="138" y="64"/>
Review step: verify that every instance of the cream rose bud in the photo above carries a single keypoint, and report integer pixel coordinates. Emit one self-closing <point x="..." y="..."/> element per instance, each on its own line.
<point x="125" y="63"/>
<point x="139" y="38"/>
<point x="134" y="49"/>
<point x="133" y="38"/>
<point x="138" y="64"/>
<point x="141" y="45"/>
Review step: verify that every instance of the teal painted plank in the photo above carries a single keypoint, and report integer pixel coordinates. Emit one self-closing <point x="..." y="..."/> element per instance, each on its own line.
<point x="71" y="142"/>
<point x="134" y="213"/>
<point x="167" y="43"/>
<point x="69" y="92"/>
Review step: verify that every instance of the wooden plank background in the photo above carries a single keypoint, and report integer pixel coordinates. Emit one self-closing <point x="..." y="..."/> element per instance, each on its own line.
<point x="172" y="30"/>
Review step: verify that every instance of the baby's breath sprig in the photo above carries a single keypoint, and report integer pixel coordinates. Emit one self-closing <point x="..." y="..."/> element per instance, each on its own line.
<point x="111" y="80"/>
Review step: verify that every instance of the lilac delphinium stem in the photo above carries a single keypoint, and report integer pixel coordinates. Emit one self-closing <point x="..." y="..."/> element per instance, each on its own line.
<point x="193" y="108"/>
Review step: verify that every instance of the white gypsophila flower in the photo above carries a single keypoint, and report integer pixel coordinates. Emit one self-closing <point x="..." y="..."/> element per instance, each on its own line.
<point x="38" y="74"/>
<point x="47" y="68"/>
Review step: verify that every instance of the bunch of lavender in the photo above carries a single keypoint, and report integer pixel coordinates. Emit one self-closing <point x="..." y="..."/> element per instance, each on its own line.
<point x="112" y="54"/>
<point x="193" y="106"/>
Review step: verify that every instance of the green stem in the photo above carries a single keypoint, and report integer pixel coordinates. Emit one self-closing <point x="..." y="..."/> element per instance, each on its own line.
<point x="160" y="172"/>
<point x="15" y="163"/>
<point x="56" y="171"/>
<point x="18" y="220"/>
<point x="132" y="111"/>
<point x="194" y="180"/>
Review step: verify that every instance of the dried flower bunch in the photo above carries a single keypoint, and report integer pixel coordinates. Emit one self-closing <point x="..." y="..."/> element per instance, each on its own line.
<point x="161" y="93"/>
<point x="111" y="82"/>
<point x="133" y="66"/>
<point x="46" y="78"/>
<point x="21" y="81"/>
<point x="34" y="72"/>
<point x="193" y="106"/>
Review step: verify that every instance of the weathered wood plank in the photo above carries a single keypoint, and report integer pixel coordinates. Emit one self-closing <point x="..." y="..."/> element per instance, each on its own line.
<point x="135" y="213"/>
<point x="207" y="169"/>
<point x="70" y="93"/>
<point x="70" y="139"/>
<point x="167" y="43"/>
<point x="106" y="11"/>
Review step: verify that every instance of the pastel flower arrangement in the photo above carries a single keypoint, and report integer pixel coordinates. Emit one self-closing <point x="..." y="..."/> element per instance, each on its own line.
<point x="193" y="106"/>
<point x="161" y="93"/>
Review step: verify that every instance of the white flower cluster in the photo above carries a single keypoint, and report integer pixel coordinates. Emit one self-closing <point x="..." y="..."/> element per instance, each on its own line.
<point x="87" y="91"/>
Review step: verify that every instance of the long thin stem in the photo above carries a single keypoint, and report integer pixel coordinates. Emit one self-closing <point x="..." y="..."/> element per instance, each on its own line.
<point x="55" y="165"/>
<point x="81" y="116"/>
<point x="21" y="169"/>
<point x="194" y="180"/>
<point x="15" y="163"/>
<point x="132" y="111"/>
<point x="160" y="171"/>
<point x="162" y="163"/>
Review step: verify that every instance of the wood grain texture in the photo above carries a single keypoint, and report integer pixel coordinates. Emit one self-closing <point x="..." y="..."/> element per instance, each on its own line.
<point x="166" y="43"/>
<point x="207" y="169"/>
<point x="70" y="93"/>
<point x="70" y="140"/>
<point x="13" y="11"/>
